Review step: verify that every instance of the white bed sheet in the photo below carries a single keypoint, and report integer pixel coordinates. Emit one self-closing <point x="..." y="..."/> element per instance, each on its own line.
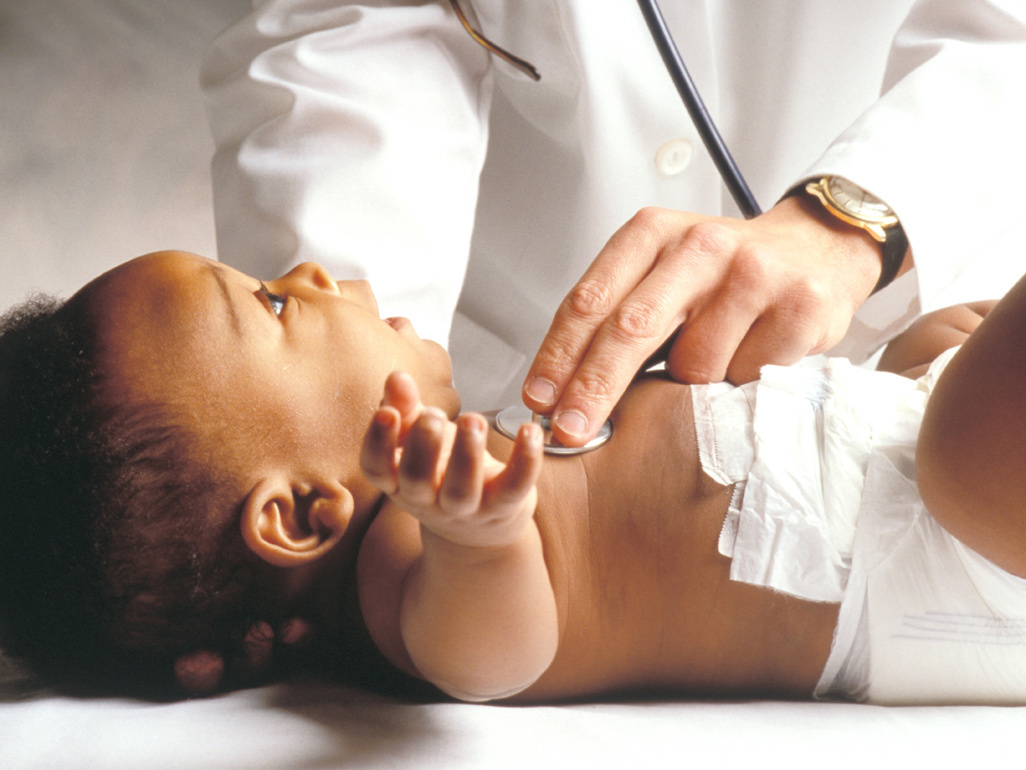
<point x="103" y="155"/>
<point x="315" y="726"/>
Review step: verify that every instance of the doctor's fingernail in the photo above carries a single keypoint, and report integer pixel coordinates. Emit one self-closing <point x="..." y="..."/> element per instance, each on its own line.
<point x="572" y="422"/>
<point x="541" y="391"/>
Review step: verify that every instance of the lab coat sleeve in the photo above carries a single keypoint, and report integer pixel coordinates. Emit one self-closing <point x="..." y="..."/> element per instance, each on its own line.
<point x="351" y="134"/>
<point x="943" y="145"/>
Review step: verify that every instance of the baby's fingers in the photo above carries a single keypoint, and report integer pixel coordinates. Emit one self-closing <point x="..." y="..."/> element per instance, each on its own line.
<point x="460" y="494"/>
<point x="401" y="394"/>
<point x="520" y="475"/>
<point x="378" y="453"/>
<point x="421" y="461"/>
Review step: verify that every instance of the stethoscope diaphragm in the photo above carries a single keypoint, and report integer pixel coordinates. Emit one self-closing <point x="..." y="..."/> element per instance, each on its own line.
<point x="509" y="420"/>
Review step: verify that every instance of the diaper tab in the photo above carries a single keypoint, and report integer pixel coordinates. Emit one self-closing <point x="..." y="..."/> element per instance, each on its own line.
<point x="723" y="417"/>
<point x="797" y="521"/>
<point x="723" y="423"/>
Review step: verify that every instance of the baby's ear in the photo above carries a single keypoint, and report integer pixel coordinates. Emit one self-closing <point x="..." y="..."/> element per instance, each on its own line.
<point x="290" y="527"/>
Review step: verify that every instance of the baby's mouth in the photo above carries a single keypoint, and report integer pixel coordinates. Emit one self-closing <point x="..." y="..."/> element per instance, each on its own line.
<point x="400" y="324"/>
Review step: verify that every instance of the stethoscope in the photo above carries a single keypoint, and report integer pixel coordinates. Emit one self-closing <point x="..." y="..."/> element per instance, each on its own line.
<point x="509" y="420"/>
<point x="700" y="116"/>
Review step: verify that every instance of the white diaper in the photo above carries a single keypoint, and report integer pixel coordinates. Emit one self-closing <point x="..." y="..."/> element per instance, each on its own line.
<point x="826" y="508"/>
<point x="796" y="444"/>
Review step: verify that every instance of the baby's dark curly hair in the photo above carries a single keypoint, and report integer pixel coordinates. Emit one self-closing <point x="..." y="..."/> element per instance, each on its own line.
<point x="117" y="553"/>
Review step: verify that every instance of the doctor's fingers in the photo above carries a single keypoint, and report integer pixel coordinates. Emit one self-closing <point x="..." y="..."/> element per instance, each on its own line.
<point x="802" y="320"/>
<point x="703" y="348"/>
<point x="757" y="316"/>
<point x="617" y="271"/>
<point x="723" y="345"/>
<point x="631" y="333"/>
<point x="656" y="247"/>
<point x="784" y="336"/>
<point x="742" y="331"/>
<point x="707" y="342"/>
<point x="769" y="342"/>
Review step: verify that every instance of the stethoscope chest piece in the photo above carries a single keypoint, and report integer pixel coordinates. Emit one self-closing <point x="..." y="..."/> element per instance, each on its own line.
<point x="509" y="420"/>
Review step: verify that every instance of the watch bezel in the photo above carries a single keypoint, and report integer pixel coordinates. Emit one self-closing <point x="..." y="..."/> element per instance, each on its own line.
<point x="849" y="198"/>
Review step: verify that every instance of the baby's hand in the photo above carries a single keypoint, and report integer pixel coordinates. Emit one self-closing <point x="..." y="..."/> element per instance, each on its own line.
<point x="441" y="473"/>
<point x="203" y="671"/>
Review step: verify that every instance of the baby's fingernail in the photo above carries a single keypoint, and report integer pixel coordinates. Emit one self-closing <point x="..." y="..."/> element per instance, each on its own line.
<point x="541" y="390"/>
<point x="473" y="423"/>
<point x="433" y="416"/>
<point x="572" y="422"/>
<point x="294" y="631"/>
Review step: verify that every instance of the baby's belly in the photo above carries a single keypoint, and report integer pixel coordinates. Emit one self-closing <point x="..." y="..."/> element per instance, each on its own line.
<point x="646" y="599"/>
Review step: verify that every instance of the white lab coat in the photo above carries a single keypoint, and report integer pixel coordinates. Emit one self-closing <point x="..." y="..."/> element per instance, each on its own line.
<point x="378" y="139"/>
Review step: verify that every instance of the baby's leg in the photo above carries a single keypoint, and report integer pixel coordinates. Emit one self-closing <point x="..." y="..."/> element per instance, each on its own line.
<point x="971" y="454"/>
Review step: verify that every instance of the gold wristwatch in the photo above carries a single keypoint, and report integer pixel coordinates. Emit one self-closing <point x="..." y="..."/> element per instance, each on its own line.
<point x="850" y="203"/>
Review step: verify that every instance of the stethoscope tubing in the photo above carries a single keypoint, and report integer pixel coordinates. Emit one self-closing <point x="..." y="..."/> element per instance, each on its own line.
<point x="509" y="420"/>
<point x="700" y="116"/>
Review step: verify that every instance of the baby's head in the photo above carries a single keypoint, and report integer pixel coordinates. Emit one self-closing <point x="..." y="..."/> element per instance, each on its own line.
<point x="179" y="446"/>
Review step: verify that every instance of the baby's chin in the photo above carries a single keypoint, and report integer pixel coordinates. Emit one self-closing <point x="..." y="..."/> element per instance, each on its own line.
<point x="448" y="400"/>
<point x="441" y="392"/>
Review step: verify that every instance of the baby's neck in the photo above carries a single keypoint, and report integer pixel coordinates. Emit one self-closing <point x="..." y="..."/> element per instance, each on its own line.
<point x="329" y="598"/>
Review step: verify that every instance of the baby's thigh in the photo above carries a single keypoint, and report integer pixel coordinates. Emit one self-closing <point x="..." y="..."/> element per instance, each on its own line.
<point x="970" y="456"/>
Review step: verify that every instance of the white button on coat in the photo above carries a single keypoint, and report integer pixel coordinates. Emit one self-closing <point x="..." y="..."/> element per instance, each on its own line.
<point x="674" y="156"/>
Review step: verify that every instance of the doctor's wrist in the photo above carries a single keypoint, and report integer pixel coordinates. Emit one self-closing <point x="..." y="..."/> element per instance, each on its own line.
<point x="853" y="207"/>
<point x="849" y="257"/>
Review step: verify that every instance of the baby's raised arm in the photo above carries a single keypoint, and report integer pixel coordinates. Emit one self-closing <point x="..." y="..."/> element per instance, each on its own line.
<point x="971" y="453"/>
<point x="477" y="612"/>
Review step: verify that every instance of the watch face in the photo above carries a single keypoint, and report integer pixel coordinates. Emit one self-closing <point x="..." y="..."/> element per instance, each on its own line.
<point x="857" y="202"/>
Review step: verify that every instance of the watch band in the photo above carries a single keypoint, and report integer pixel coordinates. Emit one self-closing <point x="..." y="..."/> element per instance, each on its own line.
<point x="892" y="255"/>
<point x="885" y="229"/>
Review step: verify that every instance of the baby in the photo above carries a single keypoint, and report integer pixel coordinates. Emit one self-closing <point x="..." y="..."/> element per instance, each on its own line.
<point x="187" y="450"/>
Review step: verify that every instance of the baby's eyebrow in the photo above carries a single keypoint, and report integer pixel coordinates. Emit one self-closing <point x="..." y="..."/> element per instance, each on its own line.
<point x="229" y="304"/>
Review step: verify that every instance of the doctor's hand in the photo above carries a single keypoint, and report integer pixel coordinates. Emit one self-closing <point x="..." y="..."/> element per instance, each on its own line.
<point x="742" y="294"/>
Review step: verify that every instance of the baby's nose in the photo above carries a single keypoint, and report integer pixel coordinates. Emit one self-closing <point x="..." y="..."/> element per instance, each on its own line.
<point x="315" y="275"/>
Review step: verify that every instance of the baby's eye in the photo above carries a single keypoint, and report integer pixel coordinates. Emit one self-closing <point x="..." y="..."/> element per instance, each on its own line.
<point x="276" y="301"/>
